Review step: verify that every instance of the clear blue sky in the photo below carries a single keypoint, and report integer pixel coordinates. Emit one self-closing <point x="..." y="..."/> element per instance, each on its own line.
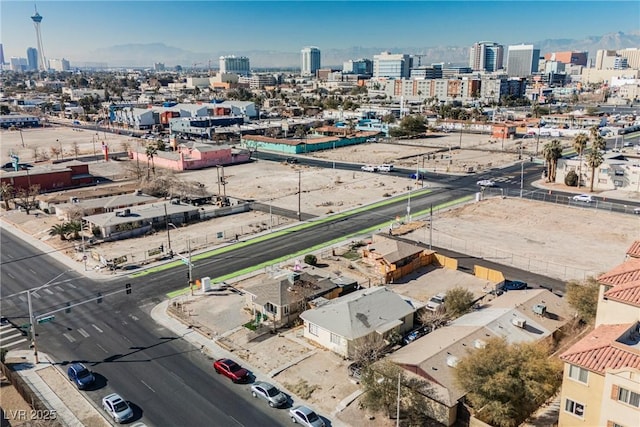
<point x="72" y="29"/>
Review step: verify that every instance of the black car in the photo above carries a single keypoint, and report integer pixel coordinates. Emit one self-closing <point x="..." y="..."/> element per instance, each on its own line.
<point x="513" y="285"/>
<point x="292" y="160"/>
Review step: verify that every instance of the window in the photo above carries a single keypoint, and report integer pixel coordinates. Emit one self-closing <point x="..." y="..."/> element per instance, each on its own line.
<point x="578" y="374"/>
<point x="270" y="308"/>
<point x="335" y="339"/>
<point x="574" y="407"/>
<point x="313" y="329"/>
<point x="629" y="397"/>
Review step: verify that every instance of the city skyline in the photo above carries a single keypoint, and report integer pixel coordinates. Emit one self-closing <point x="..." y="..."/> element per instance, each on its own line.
<point x="77" y="31"/>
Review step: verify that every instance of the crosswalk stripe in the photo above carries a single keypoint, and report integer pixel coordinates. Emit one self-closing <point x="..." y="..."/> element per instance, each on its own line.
<point x="97" y="329"/>
<point x="14" y="343"/>
<point x="8" y="337"/>
<point x="69" y="337"/>
<point x="83" y="333"/>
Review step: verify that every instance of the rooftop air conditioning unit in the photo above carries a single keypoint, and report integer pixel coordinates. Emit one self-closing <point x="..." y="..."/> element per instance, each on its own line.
<point x="540" y="309"/>
<point x="479" y="344"/>
<point x="519" y="322"/>
<point x="452" y="361"/>
<point x="74" y="200"/>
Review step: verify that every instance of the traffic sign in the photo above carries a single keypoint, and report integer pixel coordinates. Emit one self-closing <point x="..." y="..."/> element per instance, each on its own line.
<point x="46" y="319"/>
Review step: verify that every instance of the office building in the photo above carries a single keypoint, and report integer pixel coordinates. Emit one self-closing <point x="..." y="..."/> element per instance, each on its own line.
<point x="310" y="61"/>
<point x="522" y="60"/>
<point x="358" y="66"/>
<point x="632" y="55"/>
<point x="1" y="54"/>
<point x="486" y="56"/>
<point x="235" y="64"/>
<point x="59" y="64"/>
<point x="391" y="66"/>
<point x="158" y="66"/>
<point x="568" y="57"/>
<point x="32" y="58"/>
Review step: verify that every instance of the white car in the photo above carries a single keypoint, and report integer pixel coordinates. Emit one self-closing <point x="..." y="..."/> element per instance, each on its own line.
<point x="435" y="302"/>
<point x="369" y="168"/>
<point x="486" y="183"/>
<point x="305" y="416"/>
<point x="385" y="168"/>
<point x="583" y="198"/>
<point x="117" y="408"/>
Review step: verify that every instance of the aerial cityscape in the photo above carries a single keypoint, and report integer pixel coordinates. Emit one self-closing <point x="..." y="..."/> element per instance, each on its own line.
<point x="328" y="213"/>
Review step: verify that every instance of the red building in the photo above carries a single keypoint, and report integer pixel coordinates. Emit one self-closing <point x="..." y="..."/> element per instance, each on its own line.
<point x="50" y="177"/>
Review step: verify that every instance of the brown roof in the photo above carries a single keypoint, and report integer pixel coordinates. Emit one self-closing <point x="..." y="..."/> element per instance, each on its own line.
<point x="628" y="271"/>
<point x="604" y="348"/>
<point x="634" y="250"/>
<point x="627" y="293"/>
<point x="393" y="250"/>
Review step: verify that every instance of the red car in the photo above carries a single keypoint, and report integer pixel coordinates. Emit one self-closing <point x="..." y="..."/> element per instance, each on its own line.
<point x="231" y="369"/>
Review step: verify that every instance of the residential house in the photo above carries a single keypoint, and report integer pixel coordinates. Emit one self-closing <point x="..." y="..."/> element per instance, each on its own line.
<point x="619" y="171"/>
<point x="601" y="383"/>
<point x="342" y="324"/>
<point x="518" y="316"/>
<point x="284" y="297"/>
<point x="76" y="207"/>
<point x="395" y="258"/>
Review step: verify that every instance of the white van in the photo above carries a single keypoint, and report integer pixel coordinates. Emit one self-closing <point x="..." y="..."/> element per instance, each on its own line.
<point x="385" y="168"/>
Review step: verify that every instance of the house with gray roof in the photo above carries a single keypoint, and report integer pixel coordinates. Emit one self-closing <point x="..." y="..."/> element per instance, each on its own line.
<point x="78" y="207"/>
<point x="340" y="325"/>
<point x="518" y="316"/>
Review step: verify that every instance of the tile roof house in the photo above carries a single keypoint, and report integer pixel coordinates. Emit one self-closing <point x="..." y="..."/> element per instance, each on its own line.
<point x="343" y="323"/>
<point x="395" y="258"/>
<point x="522" y="316"/>
<point x="601" y="382"/>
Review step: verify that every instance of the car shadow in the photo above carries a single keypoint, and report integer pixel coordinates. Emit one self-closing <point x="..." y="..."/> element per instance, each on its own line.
<point x="100" y="381"/>
<point x="137" y="413"/>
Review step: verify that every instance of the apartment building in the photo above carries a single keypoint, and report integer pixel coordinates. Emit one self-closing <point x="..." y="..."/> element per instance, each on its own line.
<point x="486" y="56"/>
<point x="310" y="57"/>
<point x="235" y="64"/>
<point x="601" y="382"/>
<point x="391" y="66"/>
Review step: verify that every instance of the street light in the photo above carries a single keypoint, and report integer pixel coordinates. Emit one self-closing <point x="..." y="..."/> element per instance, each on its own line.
<point x="60" y="144"/>
<point x="31" y="317"/>
<point x="21" y="138"/>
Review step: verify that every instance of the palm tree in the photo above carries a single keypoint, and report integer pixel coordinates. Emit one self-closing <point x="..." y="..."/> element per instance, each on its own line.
<point x="594" y="159"/>
<point x="151" y="152"/>
<point x="74" y="227"/>
<point x="59" y="230"/>
<point x="6" y="191"/>
<point x="579" y="144"/>
<point x="552" y="152"/>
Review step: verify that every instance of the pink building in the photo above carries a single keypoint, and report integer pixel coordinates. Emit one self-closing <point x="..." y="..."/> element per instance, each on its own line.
<point x="193" y="155"/>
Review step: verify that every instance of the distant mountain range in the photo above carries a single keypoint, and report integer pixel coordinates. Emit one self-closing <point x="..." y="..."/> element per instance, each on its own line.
<point x="145" y="55"/>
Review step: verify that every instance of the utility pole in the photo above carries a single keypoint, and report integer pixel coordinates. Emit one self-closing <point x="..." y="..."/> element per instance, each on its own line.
<point x="166" y="222"/>
<point x="218" y="173"/>
<point x="398" y="403"/>
<point x="521" y="172"/>
<point x="190" y="266"/>
<point x="538" y="139"/>
<point x="33" y="329"/>
<point x="430" y="225"/>
<point x="299" y="194"/>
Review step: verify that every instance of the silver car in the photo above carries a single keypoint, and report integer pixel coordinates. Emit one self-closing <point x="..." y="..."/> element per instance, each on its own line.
<point x="305" y="416"/>
<point x="117" y="408"/>
<point x="274" y="397"/>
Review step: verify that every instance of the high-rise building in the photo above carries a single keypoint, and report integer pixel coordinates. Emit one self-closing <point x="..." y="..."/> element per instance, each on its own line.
<point x="486" y="56"/>
<point x="32" y="58"/>
<point x="1" y="54"/>
<point x="392" y="66"/>
<point x="235" y="64"/>
<point x="617" y="59"/>
<point x="522" y="60"/>
<point x="568" y="57"/>
<point x="632" y="54"/>
<point x="59" y="64"/>
<point x="358" y="66"/>
<point x="310" y="61"/>
<point x="42" y="62"/>
<point x="17" y="64"/>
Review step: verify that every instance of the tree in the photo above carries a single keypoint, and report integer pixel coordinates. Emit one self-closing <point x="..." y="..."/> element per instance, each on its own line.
<point x="571" y="179"/>
<point x="6" y="191"/>
<point x="55" y="151"/>
<point x="380" y="384"/>
<point x="74" y="227"/>
<point x="311" y="259"/>
<point x="151" y="151"/>
<point x="594" y="159"/>
<point x="579" y="144"/>
<point x="60" y="230"/>
<point x="458" y="302"/>
<point x="368" y="349"/>
<point x="413" y="124"/>
<point x="552" y="151"/>
<point x="583" y="296"/>
<point x="507" y="382"/>
<point x="26" y="198"/>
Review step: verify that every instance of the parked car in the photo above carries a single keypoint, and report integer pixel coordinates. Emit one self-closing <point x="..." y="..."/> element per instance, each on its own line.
<point x="117" y="408"/>
<point x="369" y="168"/>
<point x="80" y="375"/>
<point x="385" y="168"/>
<point x="486" y="183"/>
<point x="636" y="211"/>
<point x="513" y="285"/>
<point x="292" y="160"/>
<point x="435" y="302"/>
<point x="587" y="198"/>
<point x="305" y="416"/>
<point x="231" y="369"/>
<point x="415" y="175"/>
<point x="274" y="397"/>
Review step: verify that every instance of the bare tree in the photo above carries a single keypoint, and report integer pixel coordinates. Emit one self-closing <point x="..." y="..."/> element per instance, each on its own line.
<point x="55" y="151"/>
<point x="433" y="319"/>
<point x="6" y="191"/>
<point x="368" y="349"/>
<point x="26" y="198"/>
<point x="76" y="149"/>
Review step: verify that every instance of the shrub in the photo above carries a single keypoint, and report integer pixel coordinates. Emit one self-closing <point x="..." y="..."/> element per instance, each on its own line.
<point x="571" y="179"/>
<point x="311" y="259"/>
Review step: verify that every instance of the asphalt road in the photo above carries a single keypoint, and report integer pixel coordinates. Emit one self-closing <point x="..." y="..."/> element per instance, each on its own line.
<point x="169" y="381"/>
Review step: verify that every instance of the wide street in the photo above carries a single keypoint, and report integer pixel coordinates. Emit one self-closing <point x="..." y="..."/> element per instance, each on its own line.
<point x="170" y="382"/>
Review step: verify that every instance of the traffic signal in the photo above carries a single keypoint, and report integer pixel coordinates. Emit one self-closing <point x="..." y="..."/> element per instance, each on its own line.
<point x="127" y="288"/>
<point x="99" y="299"/>
<point x="162" y="247"/>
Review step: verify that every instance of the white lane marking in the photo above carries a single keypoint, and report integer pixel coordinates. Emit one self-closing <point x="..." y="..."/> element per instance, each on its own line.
<point x="9" y="256"/>
<point x="33" y="271"/>
<point x="22" y="298"/>
<point x="239" y="423"/>
<point x="11" y="275"/>
<point x="60" y="289"/>
<point x="96" y="328"/>
<point x="133" y="317"/>
<point x="49" y="291"/>
<point x="127" y="339"/>
<point x="72" y="285"/>
<point x="176" y="377"/>
<point x="83" y="333"/>
<point x="35" y="295"/>
<point x="8" y="337"/>
<point x="147" y="386"/>
<point x="14" y="343"/>
<point x="69" y="337"/>
<point x="102" y="348"/>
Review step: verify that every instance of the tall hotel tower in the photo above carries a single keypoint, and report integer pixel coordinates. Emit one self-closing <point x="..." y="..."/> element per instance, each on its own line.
<point x="310" y="61"/>
<point x="37" y="19"/>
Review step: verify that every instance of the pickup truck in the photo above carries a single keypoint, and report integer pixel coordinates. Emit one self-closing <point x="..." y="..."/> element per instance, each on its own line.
<point x="369" y="168"/>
